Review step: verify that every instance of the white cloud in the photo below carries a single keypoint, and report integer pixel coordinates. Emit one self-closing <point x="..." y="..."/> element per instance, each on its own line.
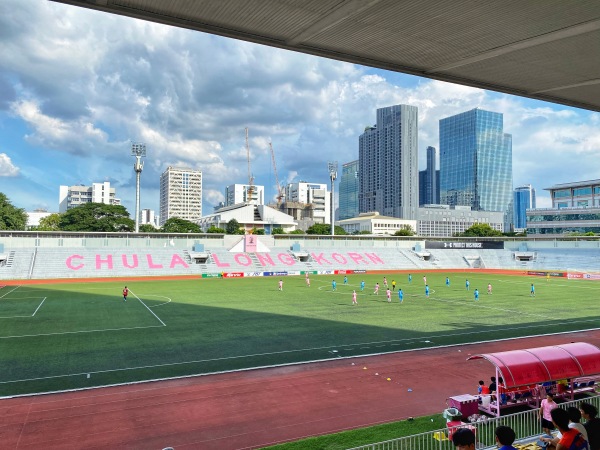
<point x="7" y="168"/>
<point x="87" y="83"/>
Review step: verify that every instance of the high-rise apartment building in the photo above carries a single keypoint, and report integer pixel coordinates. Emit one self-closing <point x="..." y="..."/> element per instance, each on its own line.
<point x="72" y="196"/>
<point x="308" y="201"/>
<point x="524" y="199"/>
<point x="429" y="180"/>
<point x="241" y="193"/>
<point x="476" y="162"/>
<point x="180" y="194"/>
<point x="388" y="164"/>
<point x="348" y="191"/>
<point x="148" y="217"/>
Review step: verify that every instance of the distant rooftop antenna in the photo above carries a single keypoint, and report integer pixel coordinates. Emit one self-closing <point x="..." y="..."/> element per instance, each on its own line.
<point x="139" y="151"/>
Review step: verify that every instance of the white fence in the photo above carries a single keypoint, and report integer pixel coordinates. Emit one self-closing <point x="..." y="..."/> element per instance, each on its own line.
<point x="526" y="425"/>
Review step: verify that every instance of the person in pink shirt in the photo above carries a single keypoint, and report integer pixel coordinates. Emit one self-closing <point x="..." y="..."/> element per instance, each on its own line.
<point x="281" y="285"/>
<point x="354" y="302"/>
<point x="385" y="281"/>
<point x="376" y="289"/>
<point x="307" y="282"/>
<point x="389" y="295"/>
<point x="548" y="404"/>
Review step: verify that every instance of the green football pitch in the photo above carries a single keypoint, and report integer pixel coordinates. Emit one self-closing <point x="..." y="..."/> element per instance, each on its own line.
<point x="69" y="336"/>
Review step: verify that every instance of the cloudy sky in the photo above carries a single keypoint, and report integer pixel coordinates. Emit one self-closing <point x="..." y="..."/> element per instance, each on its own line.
<point x="78" y="86"/>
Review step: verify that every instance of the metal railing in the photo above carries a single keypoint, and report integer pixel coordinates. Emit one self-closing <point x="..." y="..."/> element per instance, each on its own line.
<point x="525" y="424"/>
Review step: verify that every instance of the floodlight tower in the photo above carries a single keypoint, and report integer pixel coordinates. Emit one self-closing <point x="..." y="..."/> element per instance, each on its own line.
<point x="332" y="166"/>
<point x="138" y="150"/>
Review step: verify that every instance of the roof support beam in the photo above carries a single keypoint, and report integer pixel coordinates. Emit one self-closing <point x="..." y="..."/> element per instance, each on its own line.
<point x="568" y="86"/>
<point x="565" y="33"/>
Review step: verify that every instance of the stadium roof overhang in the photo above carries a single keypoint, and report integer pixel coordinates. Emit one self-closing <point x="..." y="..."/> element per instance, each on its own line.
<point x="543" y="49"/>
<point x="538" y="365"/>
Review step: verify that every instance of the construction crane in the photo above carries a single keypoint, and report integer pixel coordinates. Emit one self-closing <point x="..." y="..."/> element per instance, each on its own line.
<point x="250" y="189"/>
<point x="279" y="187"/>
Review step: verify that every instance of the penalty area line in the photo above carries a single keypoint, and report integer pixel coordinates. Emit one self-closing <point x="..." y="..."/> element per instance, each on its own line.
<point x="151" y="312"/>
<point x="39" y="306"/>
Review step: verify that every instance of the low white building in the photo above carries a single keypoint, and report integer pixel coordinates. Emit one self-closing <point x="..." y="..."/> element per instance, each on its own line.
<point x="34" y="217"/>
<point x="249" y="216"/>
<point x="376" y="224"/>
<point x="72" y="196"/>
<point x="149" y="217"/>
<point x="446" y="221"/>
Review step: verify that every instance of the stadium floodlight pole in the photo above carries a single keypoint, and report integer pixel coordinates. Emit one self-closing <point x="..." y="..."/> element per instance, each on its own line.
<point x="138" y="150"/>
<point x="332" y="166"/>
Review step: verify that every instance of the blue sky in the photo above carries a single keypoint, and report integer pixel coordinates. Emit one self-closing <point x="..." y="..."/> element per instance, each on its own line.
<point x="78" y="86"/>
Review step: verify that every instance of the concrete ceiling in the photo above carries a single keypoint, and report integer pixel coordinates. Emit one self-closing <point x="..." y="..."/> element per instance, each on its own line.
<point x="543" y="49"/>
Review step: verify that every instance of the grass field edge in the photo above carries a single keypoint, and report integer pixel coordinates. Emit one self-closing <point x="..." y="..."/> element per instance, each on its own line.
<point x="274" y="366"/>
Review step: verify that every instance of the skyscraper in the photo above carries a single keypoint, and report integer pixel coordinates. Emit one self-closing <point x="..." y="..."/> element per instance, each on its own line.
<point x="429" y="186"/>
<point x="348" y="196"/>
<point x="180" y="194"/>
<point x="388" y="163"/>
<point x="476" y="162"/>
<point x="524" y="199"/>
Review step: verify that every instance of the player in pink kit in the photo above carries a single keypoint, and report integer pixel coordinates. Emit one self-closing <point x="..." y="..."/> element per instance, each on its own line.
<point x="489" y="288"/>
<point x="424" y="280"/>
<point x="307" y="281"/>
<point x="389" y="295"/>
<point x="376" y="289"/>
<point x="354" y="302"/>
<point x="281" y="285"/>
<point x="385" y="281"/>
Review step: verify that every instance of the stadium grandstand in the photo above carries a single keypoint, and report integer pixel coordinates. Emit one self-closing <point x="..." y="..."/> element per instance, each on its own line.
<point x="27" y="255"/>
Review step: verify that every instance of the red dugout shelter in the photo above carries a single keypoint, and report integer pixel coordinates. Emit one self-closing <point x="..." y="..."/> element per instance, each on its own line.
<point x="525" y="370"/>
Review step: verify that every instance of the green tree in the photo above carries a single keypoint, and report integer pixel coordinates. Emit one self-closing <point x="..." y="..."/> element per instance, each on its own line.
<point x="325" y="229"/>
<point x="11" y="217"/>
<point x="49" y="223"/>
<point x="259" y="231"/>
<point x="179" y="225"/>
<point x="233" y="227"/>
<point x="215" y="230"/>
<point x="148" y="228"/>
<point x="481" y="230"/>
<point x="296" y="232"/>
<point x="277" y="230"/>
<point x="406" y="231"/>
<point x="97" y="217"/>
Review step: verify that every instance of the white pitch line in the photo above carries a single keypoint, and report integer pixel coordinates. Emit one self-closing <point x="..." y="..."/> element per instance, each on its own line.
<point x="40" y="305"/>
<point x="152" y="312"/>
<point x="76" y="332"/>
<point x="12" y="290"/>
<point x="315" y="348"/>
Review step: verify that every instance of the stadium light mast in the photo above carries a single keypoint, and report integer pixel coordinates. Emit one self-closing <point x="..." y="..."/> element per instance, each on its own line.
<point x="138" y="150"/>
<point x="332" y="166"/>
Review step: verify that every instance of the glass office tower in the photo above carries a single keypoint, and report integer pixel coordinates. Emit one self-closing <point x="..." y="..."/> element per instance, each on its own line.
<point x="524" y="199"/>
<point x="476" y="162"/>
<point x="348" y="197"/>
<point x="388" y="164"/>
<point x="429" y="184"/>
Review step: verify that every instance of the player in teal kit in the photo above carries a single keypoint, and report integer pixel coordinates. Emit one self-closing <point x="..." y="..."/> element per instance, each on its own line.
<point x="400" y="295"/>
<point x="362" y="285"/>
<point x="333" y="286"/>
<point x="427" y="290"/>
<point x="476" y="294"/>
<point x="447" y="281"/>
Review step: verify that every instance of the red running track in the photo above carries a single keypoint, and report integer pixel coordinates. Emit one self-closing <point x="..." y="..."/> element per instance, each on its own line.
<point x="255" y="408"/>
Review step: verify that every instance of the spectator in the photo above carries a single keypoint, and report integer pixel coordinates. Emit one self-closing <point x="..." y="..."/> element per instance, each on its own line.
<point x="574" y="418"/>
<point x="464" y="439"/>
<point x="548" y="405"/>
<point x="505" y="436"/>
<point x="571" y="438"/>
<point x="592" y="424"/>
